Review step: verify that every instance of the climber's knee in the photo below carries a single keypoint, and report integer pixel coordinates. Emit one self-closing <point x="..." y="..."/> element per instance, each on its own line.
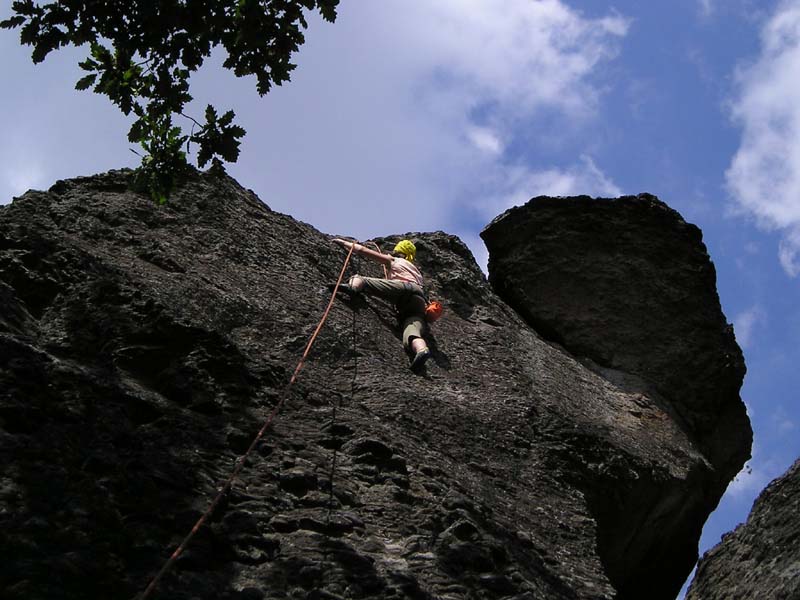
<point x="417" y="344"/>
<point x="357" y="283"/>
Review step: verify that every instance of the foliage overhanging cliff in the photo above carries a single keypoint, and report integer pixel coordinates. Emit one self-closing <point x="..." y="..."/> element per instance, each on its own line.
<point x="144" y="346"/>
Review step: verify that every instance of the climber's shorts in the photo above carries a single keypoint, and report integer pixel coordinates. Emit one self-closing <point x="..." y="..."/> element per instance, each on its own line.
<point x="391" y="289"/>
<point x="407" y="297"/>
<point x="413" y="326"/>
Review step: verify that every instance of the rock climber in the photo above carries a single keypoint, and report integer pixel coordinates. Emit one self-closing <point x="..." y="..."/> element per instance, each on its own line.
<point x="403" y="287"/>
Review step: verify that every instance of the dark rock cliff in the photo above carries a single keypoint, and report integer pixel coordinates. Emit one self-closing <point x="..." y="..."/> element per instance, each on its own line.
<point x="760" y="558"/>
<point x="142" y="348"/>
<point x="627" y="286"/>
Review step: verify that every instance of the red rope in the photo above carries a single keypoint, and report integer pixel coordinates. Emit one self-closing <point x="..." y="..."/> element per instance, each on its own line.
<point x="240" y="462"/>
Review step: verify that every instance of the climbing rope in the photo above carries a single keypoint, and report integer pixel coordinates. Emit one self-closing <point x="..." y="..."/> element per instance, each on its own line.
<point x="385" y="270"/>
<point x="241" y="461"/>
<point x="333" y="423"/>
<point x="332" y="474"/>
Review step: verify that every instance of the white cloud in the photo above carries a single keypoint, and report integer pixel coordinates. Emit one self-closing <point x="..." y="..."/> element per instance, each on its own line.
<point x="19" y="178"/>
<point x="751" y="248"/>
<point x="748" y="409"/>
<point x="764" y="175"/>
<point x="745" y="324"/>
<point x="757" y="473"/>
<point x="517" y="185"/>
<point x="706" y="7"/>
<point x="49" y="130"/>
<point x="747" y="482"/>
<point x="477" y="247"/>
<point x="764" y="465"/>
<point x="530" y="53"/>
<point x="399" y="116"/>
<point x="782" y="421"/>
<point x="485" y="139"/>
<point x="404" y="136"/>
<point x="754" y="476"/>
<point x="789" y="251"/>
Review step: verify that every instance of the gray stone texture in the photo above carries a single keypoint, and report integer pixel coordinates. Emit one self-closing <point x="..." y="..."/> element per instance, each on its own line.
<point x="143" y="346"/>
<point x="628" y="284"/>
<point x="760" y="558"/>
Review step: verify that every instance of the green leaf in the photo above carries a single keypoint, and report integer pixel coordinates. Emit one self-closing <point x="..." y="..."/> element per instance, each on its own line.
<point x="101" y="53"/>
<point x="137" y="131"/>
<point x="29" y="33"/>
<point x="226" y="118"/>
<point x="85" y="82"/>
<point x="88" y="65"/>
<point x="211" y="114"/>
<point x="39" y="53"/>
<point x="12" y="22"/>
<point x="169" y="40"/>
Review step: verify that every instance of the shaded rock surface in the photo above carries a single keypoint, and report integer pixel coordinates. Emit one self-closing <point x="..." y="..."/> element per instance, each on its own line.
<point x="629" y="284"/>
<point x="626" y="285"/>
<point x="760" y="558"/>
<point x="144" y="346"/>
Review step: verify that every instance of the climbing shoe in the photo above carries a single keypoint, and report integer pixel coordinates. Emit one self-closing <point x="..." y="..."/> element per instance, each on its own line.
<point x="419" y="359"/>
<point x="344" y="288"/>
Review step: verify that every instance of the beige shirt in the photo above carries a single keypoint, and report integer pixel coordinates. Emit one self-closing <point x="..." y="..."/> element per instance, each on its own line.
<point x="405" y="271"/>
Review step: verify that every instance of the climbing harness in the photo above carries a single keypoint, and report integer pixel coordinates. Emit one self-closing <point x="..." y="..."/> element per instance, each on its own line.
<point x="242" y="459"/>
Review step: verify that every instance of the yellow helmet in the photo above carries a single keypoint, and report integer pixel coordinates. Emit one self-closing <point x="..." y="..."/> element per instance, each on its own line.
<point x="407" y="249"/>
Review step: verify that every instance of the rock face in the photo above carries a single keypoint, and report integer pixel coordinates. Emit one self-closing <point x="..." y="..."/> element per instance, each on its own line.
<point x="627" y="286"/>
<point x="759" y="559"/>
<point x="144" y="346"/>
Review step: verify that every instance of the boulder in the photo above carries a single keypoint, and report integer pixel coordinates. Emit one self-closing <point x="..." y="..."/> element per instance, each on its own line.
<point x="627" y="287"/>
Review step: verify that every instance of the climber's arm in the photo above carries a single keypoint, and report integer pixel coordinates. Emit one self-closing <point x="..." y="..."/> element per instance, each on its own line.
<point x="379" y="257"/>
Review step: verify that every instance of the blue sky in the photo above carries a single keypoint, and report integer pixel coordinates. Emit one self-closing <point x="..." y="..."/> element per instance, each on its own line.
<point x="414" y="115"/>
